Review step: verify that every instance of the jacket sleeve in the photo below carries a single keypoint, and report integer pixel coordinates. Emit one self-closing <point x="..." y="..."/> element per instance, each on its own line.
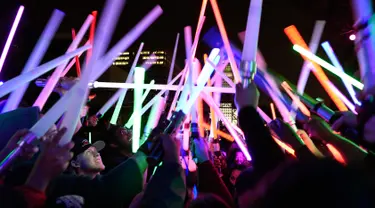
<point x="265" y="153"/>
<point x="167" y="188"/>
<point x="126" y="180"/>
<point x="210" y="182"/>
<point x="33" y="198"/>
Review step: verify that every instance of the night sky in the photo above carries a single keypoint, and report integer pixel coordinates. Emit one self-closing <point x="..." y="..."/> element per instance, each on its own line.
<point x="275" y="46"/>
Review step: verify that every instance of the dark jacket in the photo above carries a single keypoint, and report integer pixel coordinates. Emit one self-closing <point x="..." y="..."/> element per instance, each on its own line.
<point x="114" y="189"/>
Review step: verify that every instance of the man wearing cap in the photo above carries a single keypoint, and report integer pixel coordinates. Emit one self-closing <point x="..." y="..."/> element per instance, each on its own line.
<point x="86" y="160"/>
<point x="117" y="188"/>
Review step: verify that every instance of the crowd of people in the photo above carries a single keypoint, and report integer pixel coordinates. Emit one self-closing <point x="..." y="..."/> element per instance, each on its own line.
<point x="105" y="173"/>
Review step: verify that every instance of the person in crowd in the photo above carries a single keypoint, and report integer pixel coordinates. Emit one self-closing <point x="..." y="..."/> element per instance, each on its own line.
<point x="118" y="146"/>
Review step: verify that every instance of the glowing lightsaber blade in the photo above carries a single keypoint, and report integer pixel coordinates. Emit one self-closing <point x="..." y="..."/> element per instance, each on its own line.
<point x="139" y="76"/>
<point x="35" y="58"/>
<point x="328" y="66"/>
<point x="11" y="36"/>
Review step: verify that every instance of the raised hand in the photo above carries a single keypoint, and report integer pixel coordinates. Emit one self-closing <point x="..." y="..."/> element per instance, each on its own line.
<point x="246" y="96"/>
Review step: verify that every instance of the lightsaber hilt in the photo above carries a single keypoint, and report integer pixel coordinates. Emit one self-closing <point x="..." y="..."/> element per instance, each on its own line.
<point x="29" y="138"/>
<point x="248" y="69"/>
<point x="156" y="152"/>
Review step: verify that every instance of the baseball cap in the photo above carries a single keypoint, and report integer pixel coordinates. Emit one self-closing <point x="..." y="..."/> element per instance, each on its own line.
<point x="82" y="144"/>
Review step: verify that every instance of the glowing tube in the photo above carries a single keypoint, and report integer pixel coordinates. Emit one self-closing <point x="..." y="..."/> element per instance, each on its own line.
<point x="328" y="66"/>
<point x="331" y="54"/>
<point x="336" y="154"/>
<point x="284" y="146"/>
<point x="190" y="78"/>
<point x="152" y="101"/>
<point x="273" y="111"/>
<point x="174" y="102"/>
<point x="222" y="75"/>
<point x="296" y="99"/>
<point x="296" y="38"/>
<point x="313" y="46"/>
<point x="202" y="80"/>
<point x="265" y="117"/>
<point x="347" y="102"/>
<point x="139" y="76"/>
<point x="163" y="87"/>
<point x="171" y="69"/>
<point x="365" y="41"/>
<point x="92" y="35"/>
<point x="224" y="36"/>
<point x="35" y="58"/>
<point x="248" y="65"/>
<point x="123" y="92"/>
<point x="186" y="135"/>
<point x="18" y="81"/>
<point x="153" y="117"/>
<point x="52" y="81"/>
<point x="72" y="62"/>
<point x="199" y="25"/>
<point x="95" y="68"/>
<point x="220" y="133"/>
<point x="239" y="142"/>
<point x="203" y="77"/>
<point x="11" y="36"/>
<point x="78" y="65"/>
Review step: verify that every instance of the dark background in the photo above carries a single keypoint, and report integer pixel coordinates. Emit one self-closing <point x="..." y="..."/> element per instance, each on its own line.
<point x="273" y="43"/>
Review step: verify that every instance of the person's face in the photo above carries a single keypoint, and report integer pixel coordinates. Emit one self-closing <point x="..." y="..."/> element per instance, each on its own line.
<point x="90" y="160"/>
<point x="240" y="158"/>
<point x="233" y="176"/>
<point x="124" y="136"/>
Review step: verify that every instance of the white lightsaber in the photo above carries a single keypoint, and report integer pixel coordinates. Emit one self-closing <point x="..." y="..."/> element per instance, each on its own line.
<point x="208" y="99"/>
<point x="35" y="58"/>
<point x="154" y="117"/>
<point x="139" y="76"/>
<point x="52" y="81"/>
<point x="129" y="79"/>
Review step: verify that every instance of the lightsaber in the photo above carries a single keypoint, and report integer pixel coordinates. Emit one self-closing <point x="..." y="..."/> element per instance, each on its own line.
<point x="305" y="71"/>
<point x="18" y="81"/>
<point x="273" y="111"/>
<point x="72" y="115"/>
<point x="332" y="56"/>
<point x="78" y="64"/>
<point x="92" y="35"/>
<point x="328" y="66"/>
<point x="52" y="81"/>
<point x="11" y="36"/>
<point x="199" y="25"/>
<point x="123" y="92"/>
<point x="296" y="38"/>
<point x="365" y="41"/>
<point x="214" y="55"/>
<point x="42" y="126"/>
<point x="163" y="87"/>
<point x="152" y="101"/>
<point x="220" y="133"/>
<point x="248" y="63"/>
<point x="219" y="21"/>
<point x="189" y="82"/>
<point x="261" y="63"/>
<point x="154" y="117"/>
<point x="72" y="62"/>
<point x="171" y="69"/>
<point x="313" y="46"/>
<point x="199" y="103"/>
<point x="222" y="75"/>
<point x="295" y="99"/>
<point x="347" y="102"/>
<point x="209" y="100"/>
<point x="35" y="58"/>
<point x="139" y="76"/>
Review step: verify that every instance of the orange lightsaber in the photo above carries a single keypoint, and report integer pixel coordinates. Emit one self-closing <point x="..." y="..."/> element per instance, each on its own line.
<point x="218" y="132"/>
<point x="296" y="99"/>
<point x="224" y="36"/>
<point x="284" y="146"/>
<point x="92" y="35"/>
<point x="336" y="154"/>
<point x="273" y="111"/>
<point x="295" y="37"/>
<point x="78" y="65"/>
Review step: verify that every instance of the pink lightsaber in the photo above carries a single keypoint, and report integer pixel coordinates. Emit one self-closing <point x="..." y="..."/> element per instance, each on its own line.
<point x="11" y="36"/>
<point x="222" y="75"/>
<point x="209" y="100"/>
<point x="18" y="81"/>
<point x="52" y="81"/>
<point x="35" y="58"/>
<point x="72" y="116"/>
<point x="190" y="82"/>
